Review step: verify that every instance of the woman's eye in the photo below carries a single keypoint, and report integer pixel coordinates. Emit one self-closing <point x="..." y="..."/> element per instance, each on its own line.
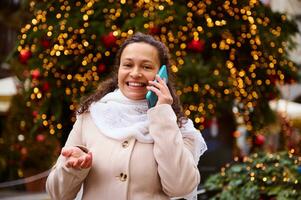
<point x="147" y="67"/>
<point x="127" y="65"/>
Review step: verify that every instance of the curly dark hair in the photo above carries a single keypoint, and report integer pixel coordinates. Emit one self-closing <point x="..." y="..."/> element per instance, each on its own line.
<point x="111" y="83"/>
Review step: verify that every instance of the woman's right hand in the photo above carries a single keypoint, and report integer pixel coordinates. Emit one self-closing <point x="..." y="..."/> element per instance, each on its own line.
<point x="76" y="158"/>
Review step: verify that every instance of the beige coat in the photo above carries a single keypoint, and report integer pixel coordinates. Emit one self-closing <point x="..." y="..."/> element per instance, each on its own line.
<point x="129" y="169"/>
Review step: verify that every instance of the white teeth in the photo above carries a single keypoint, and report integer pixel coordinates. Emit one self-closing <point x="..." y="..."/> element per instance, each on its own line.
<point x="135" y="84"/>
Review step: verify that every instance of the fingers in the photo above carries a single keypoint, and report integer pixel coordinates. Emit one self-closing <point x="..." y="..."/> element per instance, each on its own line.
<point x="83" y="162"/>
<point x="161" y="89"/>
<point x="71" y="162"/>
<point x="87" y="162"/>
<point x="160" y="80"/>
<point x="157" y="87"/>
<point x="155" y="90"/>
<point x="71" y="151"/>
<point x="67" y="152"/>
<point x="160" y="83"/>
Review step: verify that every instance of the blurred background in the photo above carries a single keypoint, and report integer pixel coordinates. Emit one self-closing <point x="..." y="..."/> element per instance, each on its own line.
<point x="237" y="65"/>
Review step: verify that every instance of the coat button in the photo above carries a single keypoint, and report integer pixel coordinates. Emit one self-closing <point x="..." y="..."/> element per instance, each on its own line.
<point x="125" y="144"/>
<point x="122" y="177"/>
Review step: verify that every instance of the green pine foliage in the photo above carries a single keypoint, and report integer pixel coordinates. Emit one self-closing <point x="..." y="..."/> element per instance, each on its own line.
<point x="260" y="176"/>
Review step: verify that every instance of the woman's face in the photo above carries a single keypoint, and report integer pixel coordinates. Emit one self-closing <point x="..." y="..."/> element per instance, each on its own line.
<point x="139" y="63"/>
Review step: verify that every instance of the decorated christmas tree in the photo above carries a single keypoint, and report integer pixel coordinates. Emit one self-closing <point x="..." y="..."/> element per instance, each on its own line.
<point x="227" y="56"/>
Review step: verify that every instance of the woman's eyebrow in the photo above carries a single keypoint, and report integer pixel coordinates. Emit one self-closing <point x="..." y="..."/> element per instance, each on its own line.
<point x="128" y="59"/>
<point x="147" y="61"/>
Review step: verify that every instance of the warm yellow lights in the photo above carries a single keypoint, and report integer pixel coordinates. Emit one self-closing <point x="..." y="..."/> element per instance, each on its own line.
<point x="229" y="78"/>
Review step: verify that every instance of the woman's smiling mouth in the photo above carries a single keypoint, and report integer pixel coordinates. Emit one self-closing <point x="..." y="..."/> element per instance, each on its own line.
<point x="135" y="84"/>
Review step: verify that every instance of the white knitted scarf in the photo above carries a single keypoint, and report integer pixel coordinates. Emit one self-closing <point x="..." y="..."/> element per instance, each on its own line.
<point x="120" y="118"/>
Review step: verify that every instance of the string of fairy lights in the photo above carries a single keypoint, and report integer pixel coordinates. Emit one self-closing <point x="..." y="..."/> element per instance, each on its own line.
<point x="70" y="53"/>
<point x="242" y="79"/>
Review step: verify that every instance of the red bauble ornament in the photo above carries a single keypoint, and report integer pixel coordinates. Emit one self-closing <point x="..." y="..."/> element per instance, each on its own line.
<point x="35" y="74"/>
<point x="101" y="68"/>
<point x="35" y="113"/>
<point x="273" y="79"/>
<point x="207" y="123"/>
<point x="45" y="43"/>
<point x="197" y="46"/>
<point x="46" y="86"/>
<point x="109" y="40"/>
<point x="260" y="139"/>
<point x="24" y="151"/>
<point x="24" y="55"/>
<point x="40" y="137"/>
<point x="154" y="30"/>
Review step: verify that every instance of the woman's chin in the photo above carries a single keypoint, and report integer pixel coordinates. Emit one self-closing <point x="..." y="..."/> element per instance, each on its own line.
<point x="135" y="93"/>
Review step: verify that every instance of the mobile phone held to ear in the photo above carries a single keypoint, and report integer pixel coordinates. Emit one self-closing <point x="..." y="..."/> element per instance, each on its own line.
<point x="150" y="95"/>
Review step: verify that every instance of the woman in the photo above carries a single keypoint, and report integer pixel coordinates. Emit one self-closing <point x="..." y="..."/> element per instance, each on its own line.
<point x="121" y="149"/>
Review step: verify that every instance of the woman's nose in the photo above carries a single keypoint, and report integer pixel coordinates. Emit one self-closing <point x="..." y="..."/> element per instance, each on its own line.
<point x="135" y="72"/>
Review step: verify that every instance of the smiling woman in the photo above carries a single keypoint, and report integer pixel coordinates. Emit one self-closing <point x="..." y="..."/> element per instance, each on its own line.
<point x="121" y="149"/>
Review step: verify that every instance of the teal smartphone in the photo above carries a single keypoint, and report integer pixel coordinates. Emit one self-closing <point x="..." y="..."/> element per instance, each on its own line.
<point x="150" y="95"/>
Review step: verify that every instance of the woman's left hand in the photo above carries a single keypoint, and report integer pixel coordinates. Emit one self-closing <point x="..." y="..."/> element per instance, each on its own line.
<point x="161" y="90"/>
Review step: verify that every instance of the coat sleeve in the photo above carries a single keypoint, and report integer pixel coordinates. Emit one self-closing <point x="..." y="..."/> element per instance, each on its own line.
<point x="64" y="183"/>
<point x="173" y="152"/>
